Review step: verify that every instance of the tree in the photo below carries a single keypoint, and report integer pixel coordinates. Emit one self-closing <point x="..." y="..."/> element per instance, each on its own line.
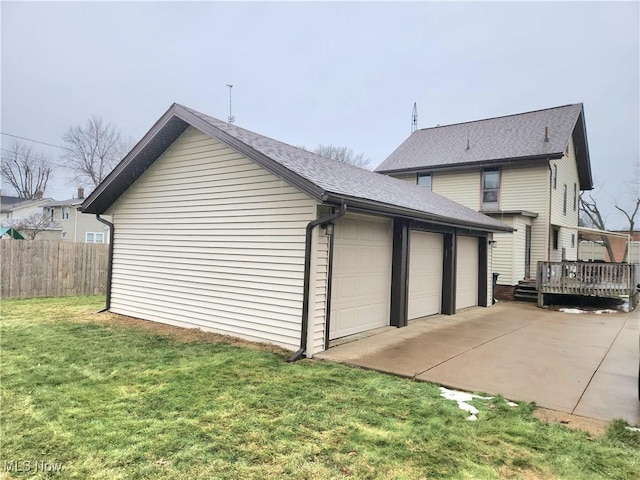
<point x="342" y="154"/>
<point x="594" y="219"/>
<point x="93" y="150"/>
<point x="25" y="170"/>
<point x="33" y="224"/>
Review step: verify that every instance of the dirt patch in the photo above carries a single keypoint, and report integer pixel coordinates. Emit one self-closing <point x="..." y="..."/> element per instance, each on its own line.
<point x="180" y="334"/>
<point x="593" y="427"/>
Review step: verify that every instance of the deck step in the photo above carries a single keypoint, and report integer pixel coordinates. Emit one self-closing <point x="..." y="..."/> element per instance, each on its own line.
<point x="526" y="291"/>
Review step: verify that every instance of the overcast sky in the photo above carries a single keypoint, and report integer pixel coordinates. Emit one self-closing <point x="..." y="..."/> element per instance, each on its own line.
<point x="333" y="73"/>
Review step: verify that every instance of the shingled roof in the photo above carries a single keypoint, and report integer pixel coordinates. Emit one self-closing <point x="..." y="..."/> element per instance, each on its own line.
<point x="327" y="180"/>
<point x="512" y="138"/>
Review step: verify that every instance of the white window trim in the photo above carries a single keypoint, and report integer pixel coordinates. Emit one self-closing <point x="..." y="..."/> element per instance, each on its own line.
<point x="94" y="234"/>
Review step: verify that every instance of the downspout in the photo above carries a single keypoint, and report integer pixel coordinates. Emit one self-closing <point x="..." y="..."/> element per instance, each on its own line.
<point x="307" y="275"/>
<point x="548" y="223"/>
<point x="110" y="271"/>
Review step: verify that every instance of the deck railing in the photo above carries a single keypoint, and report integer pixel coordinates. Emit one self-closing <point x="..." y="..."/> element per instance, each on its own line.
<point x="588" y="279"/>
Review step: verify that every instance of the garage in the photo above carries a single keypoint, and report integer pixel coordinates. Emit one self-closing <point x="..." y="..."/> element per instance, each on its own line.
<point x="467" y="267"/>
<point x="425" y="274"/>
<point x="361" y="288"/>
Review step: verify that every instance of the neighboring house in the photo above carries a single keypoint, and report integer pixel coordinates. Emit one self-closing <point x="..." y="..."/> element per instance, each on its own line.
<point x="219" y="228"/>
<point x="526" y="170"/>
<point x="14" y="209"/>
<point x="74" y="225"/>
<point x="592" y="248"/>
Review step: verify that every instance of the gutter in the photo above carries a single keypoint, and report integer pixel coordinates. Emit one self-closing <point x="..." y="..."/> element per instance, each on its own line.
<point x="323" y="221"/>
<point x="110" y="271"/>
<point x="376" y="208"/>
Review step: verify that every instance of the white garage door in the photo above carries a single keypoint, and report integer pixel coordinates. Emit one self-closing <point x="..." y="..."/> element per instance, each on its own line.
<point x="467" y="272"/>
<point x="361" y="288"/>
<point x="425" y="274"/>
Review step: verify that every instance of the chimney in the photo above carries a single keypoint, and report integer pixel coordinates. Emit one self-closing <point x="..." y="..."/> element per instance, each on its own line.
<point x="80" y="193"/>
<point x="546" y="134"/>
<point x="39" y="194"/>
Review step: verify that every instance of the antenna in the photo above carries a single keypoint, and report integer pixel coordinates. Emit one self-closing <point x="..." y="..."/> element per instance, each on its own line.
<point x="231" y="118"/>
<point x="414" y="118"/>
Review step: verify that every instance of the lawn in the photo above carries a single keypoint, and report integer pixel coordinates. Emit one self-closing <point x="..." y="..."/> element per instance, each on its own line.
<point x="108" y="397"/>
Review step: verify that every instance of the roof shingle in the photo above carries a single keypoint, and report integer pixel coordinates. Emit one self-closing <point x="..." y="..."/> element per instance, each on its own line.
<point x="519" y="136"/>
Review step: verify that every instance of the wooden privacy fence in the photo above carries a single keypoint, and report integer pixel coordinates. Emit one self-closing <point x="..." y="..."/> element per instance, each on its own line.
<point x="47" y="268"/>
<point x="589" y="279"/>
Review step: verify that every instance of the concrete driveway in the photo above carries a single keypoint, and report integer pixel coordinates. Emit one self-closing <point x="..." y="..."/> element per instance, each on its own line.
<point x="583" y="364"/>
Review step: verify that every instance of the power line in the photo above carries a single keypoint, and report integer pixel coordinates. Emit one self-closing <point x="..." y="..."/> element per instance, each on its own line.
<point x="35" y="141"/>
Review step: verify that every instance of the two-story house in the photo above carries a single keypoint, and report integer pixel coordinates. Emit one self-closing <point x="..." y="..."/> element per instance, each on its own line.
<point x="526" y="170"/>
<point x="74" y="226"/>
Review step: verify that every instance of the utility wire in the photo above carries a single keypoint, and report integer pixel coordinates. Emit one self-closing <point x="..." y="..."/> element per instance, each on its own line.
<point x="35" y="141"/>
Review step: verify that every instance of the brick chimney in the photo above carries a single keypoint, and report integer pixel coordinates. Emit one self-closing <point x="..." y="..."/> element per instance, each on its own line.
<point x="39" y="194"/>
<point x="80" y="193"/>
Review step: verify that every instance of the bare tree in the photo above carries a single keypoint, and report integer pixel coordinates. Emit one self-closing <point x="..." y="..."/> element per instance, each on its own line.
<point x="342" y="154"/>
<point x="93" y="150"/>
<point x="593" y="216"/>
<point x="631" y="215"/>
<point x="25" y="170"/>
<point x="33" y="224"/>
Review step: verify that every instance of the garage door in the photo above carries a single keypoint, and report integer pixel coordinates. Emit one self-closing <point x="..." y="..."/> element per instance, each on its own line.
<point x="361" y="288"/>
<point x="467" y="272"/>
<point x="425" y="274"/>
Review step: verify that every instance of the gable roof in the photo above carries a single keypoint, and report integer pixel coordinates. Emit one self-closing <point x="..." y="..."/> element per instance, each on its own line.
<point x="9" y="204"/>
<point x="323" y="179"/>
<point x="511" y="138"/>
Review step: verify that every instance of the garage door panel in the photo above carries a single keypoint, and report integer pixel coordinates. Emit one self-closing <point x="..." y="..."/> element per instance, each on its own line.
<point x="361" y="292"/>
<point x="425" y="274"/>
<point x="467" y="272"/>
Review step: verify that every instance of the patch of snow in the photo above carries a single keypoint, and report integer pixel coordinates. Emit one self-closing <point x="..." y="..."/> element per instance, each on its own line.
<point x="462" y="398"/>
<point x="600" y="312"/>
<point x="512" y="404"/>
<point x="633" y="429"/>
<point x="572" y="310"/>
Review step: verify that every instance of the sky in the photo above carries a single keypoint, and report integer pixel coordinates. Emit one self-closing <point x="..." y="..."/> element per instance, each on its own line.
<point x="310" y="73"/>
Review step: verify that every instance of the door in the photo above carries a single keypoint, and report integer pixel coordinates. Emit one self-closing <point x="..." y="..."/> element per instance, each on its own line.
<point x="425" y="274"/>
<point x="527" y="252"/>
<point x="361" y="288"/>
<point x="467" y="266"/>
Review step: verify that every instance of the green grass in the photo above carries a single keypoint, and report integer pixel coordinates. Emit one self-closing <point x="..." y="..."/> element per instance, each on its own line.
<point x="109" y="399"/>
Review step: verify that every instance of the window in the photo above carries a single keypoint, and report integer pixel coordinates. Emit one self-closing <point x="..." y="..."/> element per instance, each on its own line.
<point x="564" y="200"/>
<point x="573" y="240"/>
<point x="555" y="177"/>
<point x="575" y="197"/>
<point x="65" y="213"/>
<point x="490" y="188"/>
<point x="556" y="238"/>
<point x="52" y="213"/>
<point x="94" y="237"/>
<point x="424" y="180"/>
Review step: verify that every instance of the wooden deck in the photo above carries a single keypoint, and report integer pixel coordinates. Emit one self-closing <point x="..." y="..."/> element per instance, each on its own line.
<point x="588" y="279"/>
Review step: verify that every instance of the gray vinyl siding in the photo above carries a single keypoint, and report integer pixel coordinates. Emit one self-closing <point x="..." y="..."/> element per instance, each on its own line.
<point x="207" y="238"/>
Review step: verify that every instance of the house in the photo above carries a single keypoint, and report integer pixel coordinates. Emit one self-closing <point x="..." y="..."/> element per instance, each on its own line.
<point x="15" y="209"/>
<point x="219" y="228"/>
<point x="592" y="248"/>
<point x="526" y="170"/>
<point x="73" y="225"/>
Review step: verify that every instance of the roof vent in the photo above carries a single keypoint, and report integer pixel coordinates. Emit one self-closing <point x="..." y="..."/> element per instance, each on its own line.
<point x="546" y="134"/>
<point x="468" y="146"/>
